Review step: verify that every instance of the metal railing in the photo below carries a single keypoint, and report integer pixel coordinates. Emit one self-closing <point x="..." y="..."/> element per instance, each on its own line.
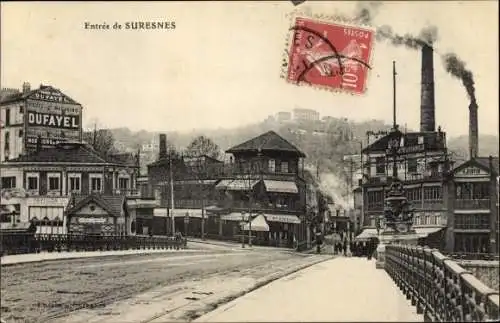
<point x="440" y="289"/>
<point x="28" y="243"/>
<point x="472" y="204"/>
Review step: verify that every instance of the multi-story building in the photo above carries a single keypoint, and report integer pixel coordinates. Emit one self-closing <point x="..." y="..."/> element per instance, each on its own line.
<point x="264" y="177"/>
<point x="300" y="114"/>
<point x="44" y="113"/>
<point x="472" y="207"/>
<point x="422" y="163"/>
<point x="39" y="185"/>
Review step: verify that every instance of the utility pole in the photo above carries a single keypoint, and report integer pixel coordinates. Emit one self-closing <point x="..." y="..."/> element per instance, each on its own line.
<point x="394" y="93"/>
<point x="94" y="139"/>
<point x="172" y="207"/>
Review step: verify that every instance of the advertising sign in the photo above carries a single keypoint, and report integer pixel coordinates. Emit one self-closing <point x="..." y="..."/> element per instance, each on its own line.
<point x="52" y="119"/>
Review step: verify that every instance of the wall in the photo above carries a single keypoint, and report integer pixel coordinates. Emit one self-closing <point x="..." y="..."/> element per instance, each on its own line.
<point x="486" y="271"/>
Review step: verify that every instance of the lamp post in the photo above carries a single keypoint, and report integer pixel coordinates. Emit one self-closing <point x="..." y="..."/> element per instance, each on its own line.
<point x="243" y="220"/>
<point x="186" y="223"/>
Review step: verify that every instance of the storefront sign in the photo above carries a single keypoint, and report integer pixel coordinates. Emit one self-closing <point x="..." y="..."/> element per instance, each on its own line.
<point x="92" y="220"/>
<point x="52" y="96"/>
<point x="53" y="120"/>
<point x="472" y="172"/>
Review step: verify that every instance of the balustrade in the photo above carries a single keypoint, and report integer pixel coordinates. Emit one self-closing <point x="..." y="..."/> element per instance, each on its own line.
<point x="472" y="204"/>
<point x="439" y="288"/>
<point x="12" y="244"/>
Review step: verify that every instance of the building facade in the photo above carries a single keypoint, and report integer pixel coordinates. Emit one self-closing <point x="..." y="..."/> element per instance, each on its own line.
<point x="44" y="113"/>
<point x="305" y="115"/>
<point x="422" y="163"/>
<point x="472" y="206"/>
<point x="39" y="185"/>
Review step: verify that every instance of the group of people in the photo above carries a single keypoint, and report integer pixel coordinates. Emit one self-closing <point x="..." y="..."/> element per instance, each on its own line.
<point x="356" y="248"/>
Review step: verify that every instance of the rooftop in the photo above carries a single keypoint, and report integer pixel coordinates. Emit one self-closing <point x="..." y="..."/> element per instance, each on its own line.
<point x="36" y="94"/>
<point x="269" y="141"/>
<point x="66" y="153"/>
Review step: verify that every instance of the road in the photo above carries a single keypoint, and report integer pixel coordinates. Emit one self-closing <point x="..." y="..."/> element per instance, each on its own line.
<point x="79" y="289"/>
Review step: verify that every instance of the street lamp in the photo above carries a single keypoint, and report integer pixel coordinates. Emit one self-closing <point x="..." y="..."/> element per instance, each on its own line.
<point x="186" y="223"/>
<point x="243" y="221"/>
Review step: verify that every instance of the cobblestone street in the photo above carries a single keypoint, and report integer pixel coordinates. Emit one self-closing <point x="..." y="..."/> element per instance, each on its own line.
<point x="88" y="288"/>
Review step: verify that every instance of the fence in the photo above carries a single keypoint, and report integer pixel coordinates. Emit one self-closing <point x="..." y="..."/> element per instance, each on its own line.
<point x="441" y="289"/>
<point x="26" y="243"/>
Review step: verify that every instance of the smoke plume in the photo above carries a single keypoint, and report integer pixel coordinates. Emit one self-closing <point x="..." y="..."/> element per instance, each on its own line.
<point x="336" y="188"/>
<point x="427" y="36"/>
<point x="456" y="67"/>
<point x="366" y="10"/>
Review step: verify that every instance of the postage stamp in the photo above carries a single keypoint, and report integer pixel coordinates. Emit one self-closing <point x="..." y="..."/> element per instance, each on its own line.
<point x="333" y="56"/>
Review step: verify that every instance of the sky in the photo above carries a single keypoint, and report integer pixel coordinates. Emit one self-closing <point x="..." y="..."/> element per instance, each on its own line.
<point x="220" y="67"/>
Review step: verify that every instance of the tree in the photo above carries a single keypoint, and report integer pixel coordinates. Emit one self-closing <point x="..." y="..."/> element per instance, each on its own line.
<point x="101" y="140"/>
<point x="202" y="145"/>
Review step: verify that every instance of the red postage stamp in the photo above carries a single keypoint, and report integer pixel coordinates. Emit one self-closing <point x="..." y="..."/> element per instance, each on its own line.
<point x="329" y="55"/>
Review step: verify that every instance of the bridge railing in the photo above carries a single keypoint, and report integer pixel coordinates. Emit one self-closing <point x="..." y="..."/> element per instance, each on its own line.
<point x="33" y="243"/>
<point x="440" y="289"/>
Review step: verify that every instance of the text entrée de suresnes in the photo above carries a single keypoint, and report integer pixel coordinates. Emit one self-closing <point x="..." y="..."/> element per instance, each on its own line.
<point x="131" y="25"/>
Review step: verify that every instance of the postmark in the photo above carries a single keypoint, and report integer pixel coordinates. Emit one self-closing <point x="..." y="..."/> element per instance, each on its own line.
<point x="329" y="55"/>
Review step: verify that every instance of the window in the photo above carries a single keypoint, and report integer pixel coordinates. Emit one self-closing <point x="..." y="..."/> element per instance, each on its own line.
<point x="375" y="199"/>
<point x="7" y="140"/>
<point x="32" y="183"/>
<point x="95" y="183"/>
<point x="420" y="140"/>
<point x="9" y="182"/>
<point x="21" y="133"/>
<point x="7" y="117"/>
<point x="412" y="165"/>
<point x="284" y="167"/>
<point x="54" y="181"/>
<point x="414" y="194"/>
<point x="74" y="183"/>
<point x="21" y="109"/>
<point x="123" y="183"/>
<point x="380" y="166"/>
<point x="472" y="191"/>
<point x="432" y="193"/>
<point x="272" y="165"/>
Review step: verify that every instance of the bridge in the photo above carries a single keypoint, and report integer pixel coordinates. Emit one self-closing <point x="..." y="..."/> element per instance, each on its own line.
<point x="415" y="284"/>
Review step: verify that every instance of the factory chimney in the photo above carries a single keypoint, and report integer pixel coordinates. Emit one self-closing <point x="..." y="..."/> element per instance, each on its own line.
<point x="163" y="147"/>
<point x="427" y="106"/>
<point x="473" y="130"/>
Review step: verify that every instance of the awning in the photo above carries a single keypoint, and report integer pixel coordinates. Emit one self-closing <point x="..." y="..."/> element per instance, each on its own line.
<point x="236" y="184"/>
<point x="235" y="216"/>
<point x="367" y="234"/>
<point x="283" y="218"/>
<point x="281" y="186"/>
<point x="197" y="182"/>
<point x="258" y="224"/>
<point x="424" y="232"/>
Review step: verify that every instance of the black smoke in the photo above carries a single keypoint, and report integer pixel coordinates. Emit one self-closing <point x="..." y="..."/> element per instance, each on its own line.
<point x="456" y="67"/>
<point x="366" y="10"/>
<point x="427" y="36"/>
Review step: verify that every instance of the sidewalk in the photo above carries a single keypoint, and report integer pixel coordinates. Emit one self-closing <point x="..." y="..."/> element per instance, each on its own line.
<point x="47" y="256"/>
<point x="338" y="290"/>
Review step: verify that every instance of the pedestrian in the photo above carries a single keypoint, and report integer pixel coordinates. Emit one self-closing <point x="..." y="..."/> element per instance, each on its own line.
<point x="344" y="248"/>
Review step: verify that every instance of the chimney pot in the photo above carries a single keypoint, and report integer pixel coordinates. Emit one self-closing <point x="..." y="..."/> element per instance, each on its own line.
<point x="163" y="146"/>
<point x="473" y="130"/>
<point x="427" y="102"/>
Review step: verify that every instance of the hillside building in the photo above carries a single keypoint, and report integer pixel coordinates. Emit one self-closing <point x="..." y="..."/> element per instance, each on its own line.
<point x="300" y="114"/>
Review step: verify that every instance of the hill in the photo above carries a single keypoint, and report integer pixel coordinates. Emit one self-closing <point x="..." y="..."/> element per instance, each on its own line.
<point x="324" y="143"/>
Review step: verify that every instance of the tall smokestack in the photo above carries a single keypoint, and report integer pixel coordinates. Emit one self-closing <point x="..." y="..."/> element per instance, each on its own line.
<point x="163" y="146"/>
<point x="473" y="130"/>
<point x="427" y="106"/>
